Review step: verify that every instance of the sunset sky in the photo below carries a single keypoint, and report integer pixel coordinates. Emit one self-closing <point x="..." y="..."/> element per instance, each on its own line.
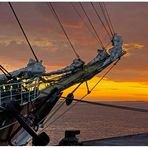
<point x="127" y="81"/>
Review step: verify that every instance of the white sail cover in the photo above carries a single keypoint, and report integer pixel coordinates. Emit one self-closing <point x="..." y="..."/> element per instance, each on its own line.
<point x="32" y="66"/>
<point x="110" y="56"/>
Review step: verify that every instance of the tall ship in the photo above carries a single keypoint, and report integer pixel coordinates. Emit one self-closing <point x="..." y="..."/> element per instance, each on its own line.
<point x="28" y="95"/>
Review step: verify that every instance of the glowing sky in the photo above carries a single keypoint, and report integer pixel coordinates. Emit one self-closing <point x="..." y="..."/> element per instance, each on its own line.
<point x="127" y="81"/>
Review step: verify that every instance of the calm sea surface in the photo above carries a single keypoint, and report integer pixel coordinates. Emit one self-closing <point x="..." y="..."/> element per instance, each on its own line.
<point x="96" y="122"/>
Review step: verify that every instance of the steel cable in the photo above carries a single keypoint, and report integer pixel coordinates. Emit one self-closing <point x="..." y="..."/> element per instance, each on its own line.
<point x="99" y="17"/>
<point x="17" y="19"/>
<point x="92" y="26"/>
<point x="84" y="22"/>
<point x="83" y="96"/>
<point x="62" y="27"/>
<point x="107" y="21"/>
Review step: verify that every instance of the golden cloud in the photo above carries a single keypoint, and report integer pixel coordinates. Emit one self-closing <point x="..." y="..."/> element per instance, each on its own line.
<point x="41" y="43"/>
<point x="79" y="25"/>
<point x="110" y="90"/>
<point x="133" y="46"/>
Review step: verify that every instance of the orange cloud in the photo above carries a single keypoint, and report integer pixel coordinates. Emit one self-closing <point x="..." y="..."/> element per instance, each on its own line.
<point x="79" y="25"/>
<point x="133" y="46"/>
<point x="113" y="91"/>
<point x="51" y="45"/>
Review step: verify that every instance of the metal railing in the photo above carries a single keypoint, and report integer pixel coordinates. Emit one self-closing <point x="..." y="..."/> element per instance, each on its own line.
<point x="21" y="92"/>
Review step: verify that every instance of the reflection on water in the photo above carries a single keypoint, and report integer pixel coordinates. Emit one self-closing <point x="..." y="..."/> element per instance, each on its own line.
<point x="96" y="122"/>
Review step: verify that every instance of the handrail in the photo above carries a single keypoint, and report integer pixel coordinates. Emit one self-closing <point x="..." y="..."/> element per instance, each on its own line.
<point x="23" y="91"/>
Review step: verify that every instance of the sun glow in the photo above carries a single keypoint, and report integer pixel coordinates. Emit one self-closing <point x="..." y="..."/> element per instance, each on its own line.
<point x="108" y="90"/>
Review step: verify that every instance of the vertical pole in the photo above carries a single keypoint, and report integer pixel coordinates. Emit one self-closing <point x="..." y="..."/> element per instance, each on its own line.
<point x="21" y="94"/>
<point x="11" y="94"/>
<point x="35" y="89"/>
<point x="29" y="99"/>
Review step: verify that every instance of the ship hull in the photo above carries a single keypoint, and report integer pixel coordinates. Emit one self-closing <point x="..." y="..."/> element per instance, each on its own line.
<point x="8" y="123"/>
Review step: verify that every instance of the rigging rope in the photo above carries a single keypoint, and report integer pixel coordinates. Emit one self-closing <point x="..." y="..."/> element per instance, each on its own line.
<point x="58" y="19"/>
<point x="107" y="21"/>
<point x="114" y="106"/>
<point x="54" y="112"/>
<point x="4" y="71"/>
<point x="46" y="118"/>
<point x="23" y="31"/>
<point x="99" y="40"/>
<point x="58" y="108"/>
<point x="100" y="19"/>
<point x="83" y="96"/>
<point x="105" y="74"/>
<point x="84" y="21"/>
<point x="108" y="17"/>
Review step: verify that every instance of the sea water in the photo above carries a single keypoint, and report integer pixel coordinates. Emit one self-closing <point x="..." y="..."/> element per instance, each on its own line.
<point x="96" y="122"/>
